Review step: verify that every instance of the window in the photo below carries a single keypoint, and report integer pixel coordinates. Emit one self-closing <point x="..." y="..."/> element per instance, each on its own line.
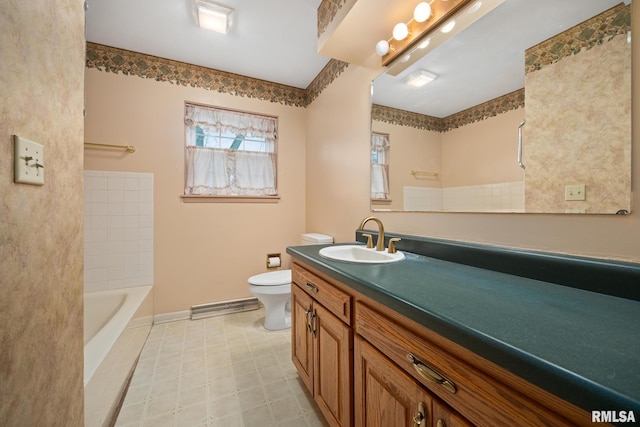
<point x="379" y="166"/>
<point x="229" y="153"/>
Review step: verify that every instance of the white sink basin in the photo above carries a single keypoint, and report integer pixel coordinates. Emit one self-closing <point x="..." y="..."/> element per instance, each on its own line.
<point x="359" y="254"/>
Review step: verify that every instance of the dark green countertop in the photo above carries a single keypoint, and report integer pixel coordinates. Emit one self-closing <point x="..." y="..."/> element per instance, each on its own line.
<point x="580" y="345"/>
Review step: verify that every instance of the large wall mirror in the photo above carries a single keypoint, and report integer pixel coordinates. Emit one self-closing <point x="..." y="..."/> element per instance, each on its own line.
<point x="529" y="110"/>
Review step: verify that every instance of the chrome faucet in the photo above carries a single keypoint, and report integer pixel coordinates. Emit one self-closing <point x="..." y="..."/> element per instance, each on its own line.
<point x="380" y="242"/>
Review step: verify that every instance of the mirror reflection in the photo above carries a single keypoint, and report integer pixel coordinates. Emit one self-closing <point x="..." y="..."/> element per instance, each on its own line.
<point x="557" y="71"/>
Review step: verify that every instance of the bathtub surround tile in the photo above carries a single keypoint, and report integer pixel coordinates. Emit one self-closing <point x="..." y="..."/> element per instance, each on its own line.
<point x="498" y="197"/>
<point x="220" y="371"/>
<point x="118" y="229"/>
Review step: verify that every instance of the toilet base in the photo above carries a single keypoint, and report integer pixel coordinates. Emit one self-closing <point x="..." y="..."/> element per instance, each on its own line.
<point x="277" y="305"/>
<point x="277" y="324"/>
<point x="275" y="321"/>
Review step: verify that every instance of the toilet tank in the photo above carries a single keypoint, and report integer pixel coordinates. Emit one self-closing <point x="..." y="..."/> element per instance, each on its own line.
<point x="316" y="239"/>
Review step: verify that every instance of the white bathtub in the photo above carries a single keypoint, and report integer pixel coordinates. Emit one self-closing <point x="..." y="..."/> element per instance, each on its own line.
<point x="116" y="325"/>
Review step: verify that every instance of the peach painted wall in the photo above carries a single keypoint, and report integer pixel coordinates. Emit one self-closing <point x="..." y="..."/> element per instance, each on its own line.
<point x="342" y="201"/>
<point x="411" y="149"/>
<point x="338" y="159"/>
<point x="41" y="336"/>
<point x="479" y="153"/>
<point x="484" y="152"/>
<point x="204" y="252"/>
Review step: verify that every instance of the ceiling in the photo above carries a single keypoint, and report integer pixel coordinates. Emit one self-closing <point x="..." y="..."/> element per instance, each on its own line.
<point x="272" y="40"/>
<point x="276" y="41"/>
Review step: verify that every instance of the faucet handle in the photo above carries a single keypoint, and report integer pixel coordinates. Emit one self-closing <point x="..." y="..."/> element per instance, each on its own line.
<point x="392" y="244"/>
<point x="369" y="240"/>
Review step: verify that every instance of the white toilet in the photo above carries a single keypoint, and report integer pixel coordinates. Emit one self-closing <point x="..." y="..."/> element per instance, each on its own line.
<point x="273" y="289"/>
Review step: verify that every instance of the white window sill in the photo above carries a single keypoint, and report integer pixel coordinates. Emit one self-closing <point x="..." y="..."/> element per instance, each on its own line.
<point x="188" y="198"/>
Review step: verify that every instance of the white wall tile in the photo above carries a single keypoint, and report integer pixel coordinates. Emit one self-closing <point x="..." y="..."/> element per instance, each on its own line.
<point x="118" y="227"/>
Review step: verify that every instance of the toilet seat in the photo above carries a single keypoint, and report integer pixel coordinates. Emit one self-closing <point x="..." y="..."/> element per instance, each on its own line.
<point x="272" y="278"/>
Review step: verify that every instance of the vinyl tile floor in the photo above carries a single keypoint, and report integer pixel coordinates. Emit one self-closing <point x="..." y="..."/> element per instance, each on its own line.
<point x="224" y="371"/>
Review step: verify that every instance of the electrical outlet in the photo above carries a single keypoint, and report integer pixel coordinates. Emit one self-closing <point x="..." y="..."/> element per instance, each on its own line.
<point x="28" y="162"/>
<point x="575" y="192"/>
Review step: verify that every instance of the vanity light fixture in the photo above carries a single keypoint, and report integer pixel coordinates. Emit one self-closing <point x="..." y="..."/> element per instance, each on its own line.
<point x="212" y="16"/>
<point x="420" y="78"/>
<point x="446" y="19"/>
<point x="427" y="16"/>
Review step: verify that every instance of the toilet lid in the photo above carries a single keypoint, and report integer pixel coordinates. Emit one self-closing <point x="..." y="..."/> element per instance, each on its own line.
<point x="273" y="278"/>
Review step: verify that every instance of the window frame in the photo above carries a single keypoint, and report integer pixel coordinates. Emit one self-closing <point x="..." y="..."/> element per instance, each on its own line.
<point x="230" y="198"/>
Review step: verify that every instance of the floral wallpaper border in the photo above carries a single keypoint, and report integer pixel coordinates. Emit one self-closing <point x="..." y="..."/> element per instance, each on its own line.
<point x="115" y="60"/>
<point x="326" y="12"/>
<point x="508" y="102"/>
<point x="615" y="21"/>
<point x="399" y="117"/>
<point x="592" y="32"/>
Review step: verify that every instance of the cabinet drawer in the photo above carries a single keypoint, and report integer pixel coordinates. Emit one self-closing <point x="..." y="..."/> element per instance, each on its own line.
<point x="332" y="298"/>
<point x="475" y="394"/>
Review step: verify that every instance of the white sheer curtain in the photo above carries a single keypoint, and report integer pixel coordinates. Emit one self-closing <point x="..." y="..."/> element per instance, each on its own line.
<point x="224" y="171"/>
<point x="255" y="173"/>
<point x="207" y="171"/>
<point x="379" y="166"/>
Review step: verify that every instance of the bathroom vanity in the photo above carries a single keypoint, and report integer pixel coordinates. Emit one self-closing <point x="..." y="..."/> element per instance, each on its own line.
<point x="462" y="335"/>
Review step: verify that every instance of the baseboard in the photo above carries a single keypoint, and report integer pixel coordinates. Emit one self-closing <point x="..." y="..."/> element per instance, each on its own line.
<point x="202" y="311"/>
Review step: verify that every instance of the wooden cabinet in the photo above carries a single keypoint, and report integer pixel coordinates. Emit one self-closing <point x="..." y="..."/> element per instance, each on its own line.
<point x="478" y="390"/>
<point x="301" y="336"/>
<point x="443" y="416"/>
<point x="401" y="373"/>
<point x="322" y="346"/>
<point x="386" y="396"/>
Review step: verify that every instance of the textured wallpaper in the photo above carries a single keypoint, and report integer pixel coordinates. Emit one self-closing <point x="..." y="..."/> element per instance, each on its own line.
<point x="41" y="254"/>
<point x="578" y="130"/>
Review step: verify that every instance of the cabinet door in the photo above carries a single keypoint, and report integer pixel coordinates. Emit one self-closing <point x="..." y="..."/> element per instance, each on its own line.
<point x="385" y="395"/>
<point x="333" y="345"/>
<point x="444" y="416"/>
<point x="301" y="336"/>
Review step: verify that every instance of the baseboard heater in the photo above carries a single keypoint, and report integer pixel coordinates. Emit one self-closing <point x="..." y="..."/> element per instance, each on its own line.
<point x="224" y="307"/>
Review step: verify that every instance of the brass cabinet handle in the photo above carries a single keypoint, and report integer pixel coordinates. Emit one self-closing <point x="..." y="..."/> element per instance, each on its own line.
<point x="312" y="287"/>
<point x="441" y="423"/>
<point x="308" y="313"/>
<point x="421" y="415"/>
<point x="430" y="374"/>
<point x="314" y="318"/>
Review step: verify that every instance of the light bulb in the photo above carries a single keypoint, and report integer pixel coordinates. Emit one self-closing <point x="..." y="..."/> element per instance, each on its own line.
<point x="382" y="47"/>
<point x="448" y="27"/>
<point x="424" y="43"/>
<point x="476" y="6"/>
<point x="422" y="12"/>
<point x="400" y="31"/>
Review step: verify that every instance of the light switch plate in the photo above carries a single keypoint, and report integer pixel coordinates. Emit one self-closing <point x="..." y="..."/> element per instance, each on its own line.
<point x="28" y="161"/>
